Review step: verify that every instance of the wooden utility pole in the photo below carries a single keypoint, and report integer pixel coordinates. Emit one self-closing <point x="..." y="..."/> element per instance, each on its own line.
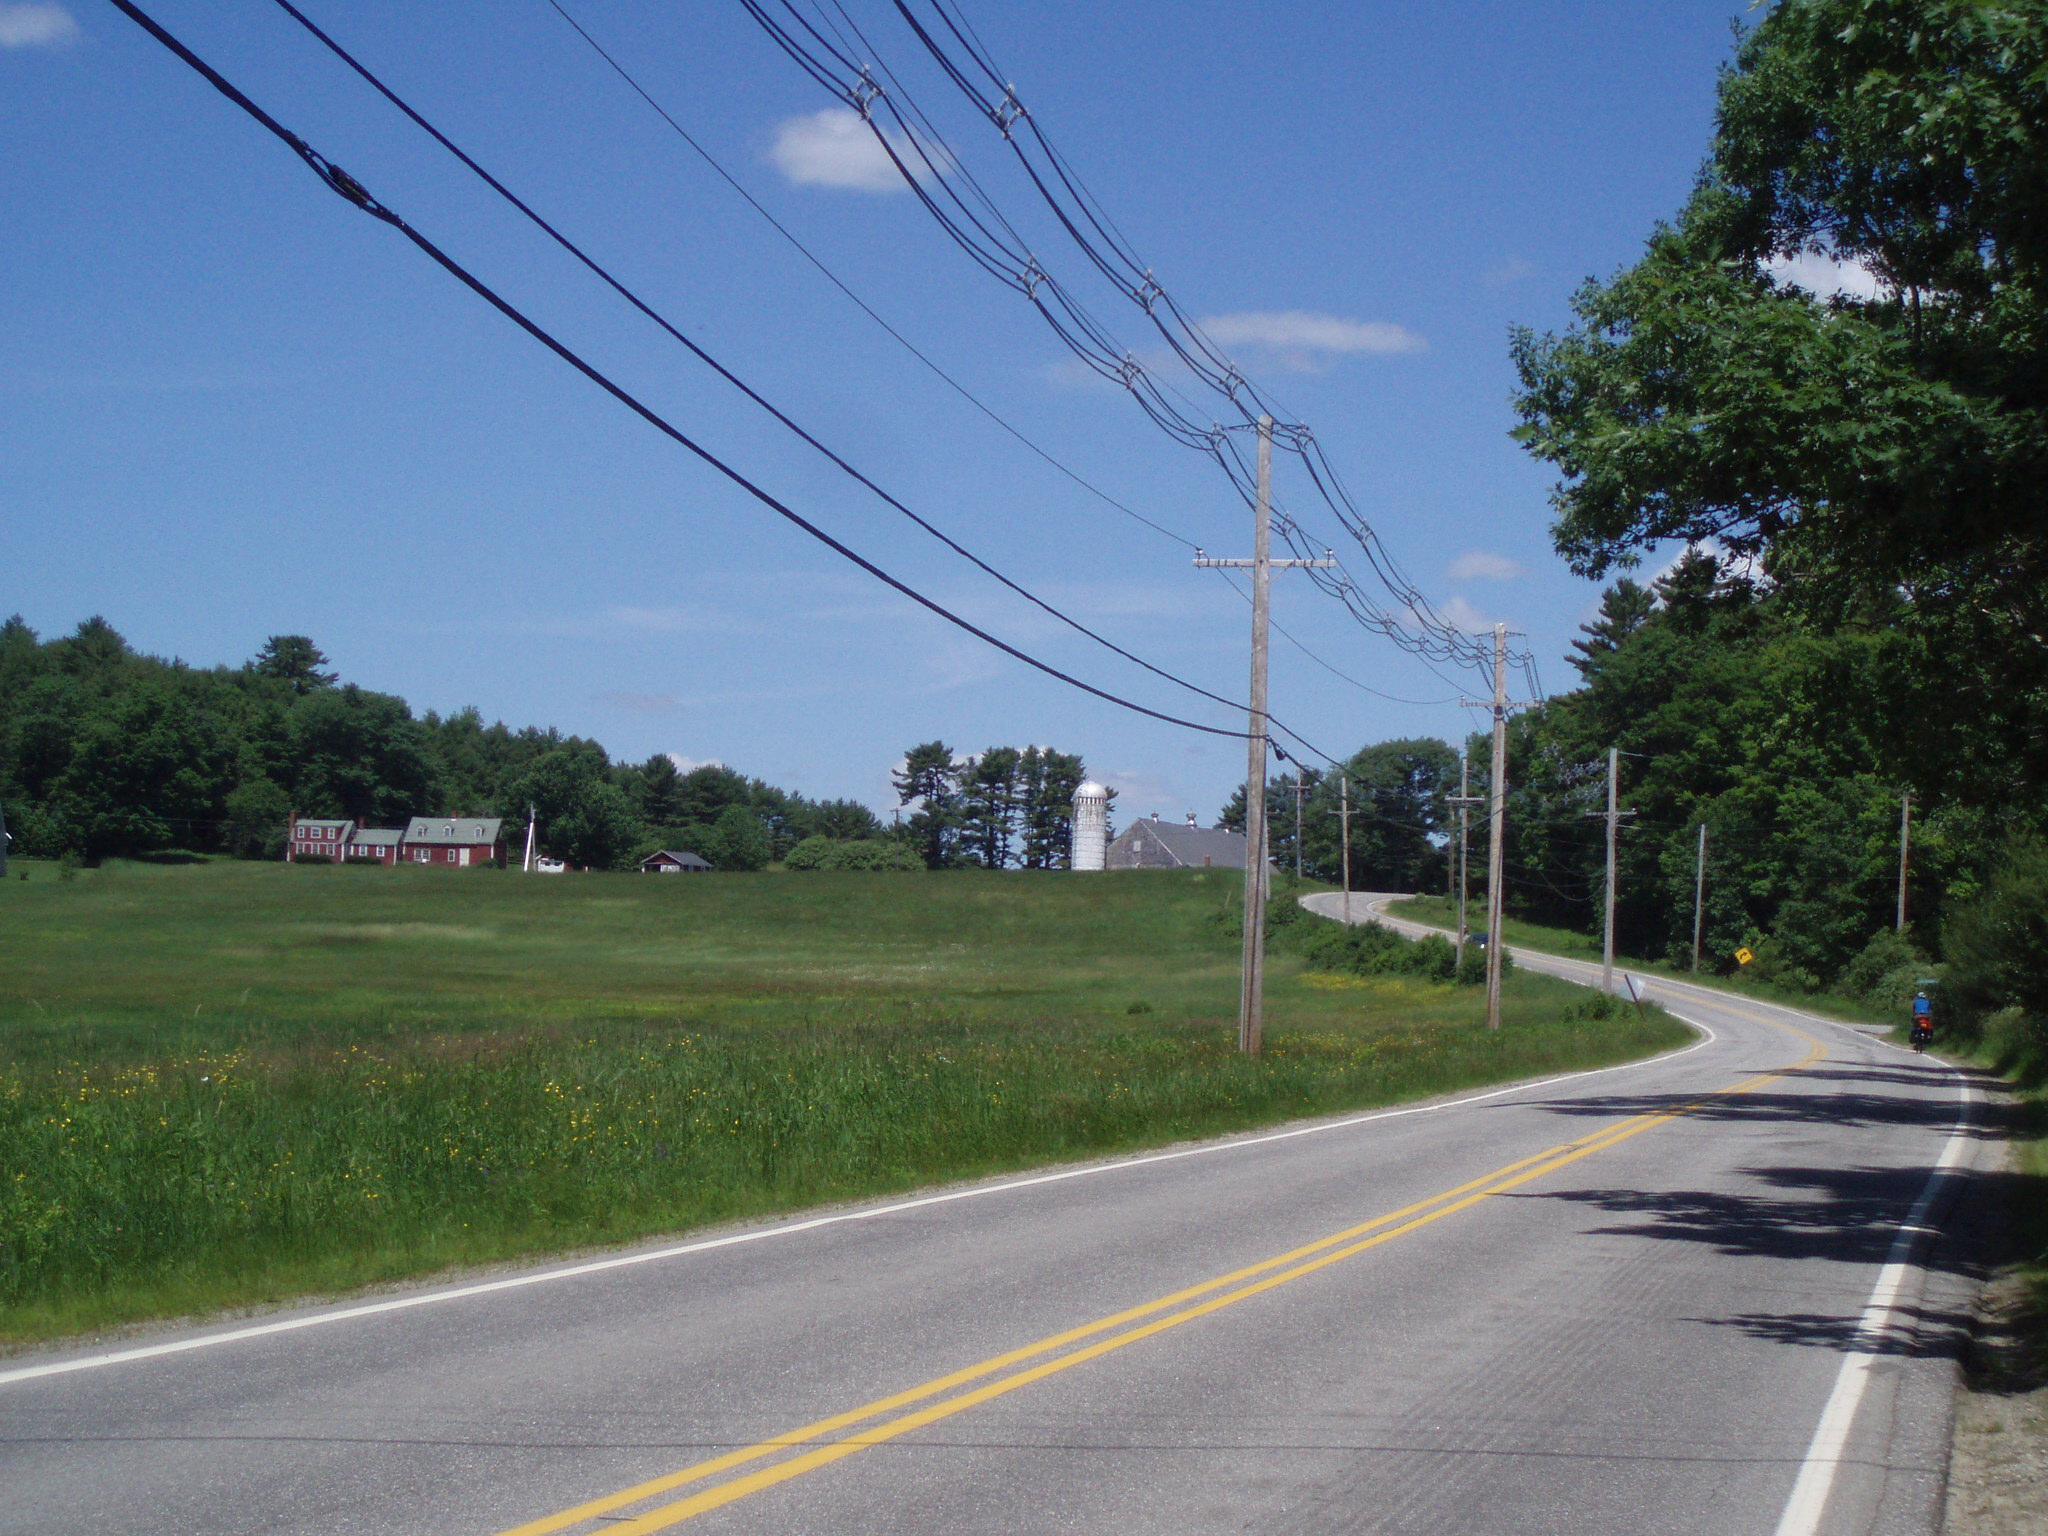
<point x="1464" y="802"/>
<point x="1252" y="976"/>
<point x="1298" y="787"/>
<point x="1905" y="850"/>
<point x="1614" y="816"/>
<point x="1699" y="897"/>
<point x="1344" y="814"/>
<point x="1497" y="801"/>
<point x="1496" y="843"/>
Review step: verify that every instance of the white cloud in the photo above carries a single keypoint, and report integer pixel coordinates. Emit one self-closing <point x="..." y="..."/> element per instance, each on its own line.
<point x="691" y="764"/>
<point x="1482" y="565"/>
<point x="1302" y="341"/>
<point x="1460" y="614"/>
<point x="1825" y="277"/>
<point x="35" y="25"/>
<point x="834" y="148"/>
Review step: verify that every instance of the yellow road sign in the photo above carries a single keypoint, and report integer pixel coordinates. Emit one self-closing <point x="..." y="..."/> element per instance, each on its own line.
<point x="1743" y="957"/>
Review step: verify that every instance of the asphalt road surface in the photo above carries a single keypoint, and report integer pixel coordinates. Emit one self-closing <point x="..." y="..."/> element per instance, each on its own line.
<point x="1701" y="1294"/>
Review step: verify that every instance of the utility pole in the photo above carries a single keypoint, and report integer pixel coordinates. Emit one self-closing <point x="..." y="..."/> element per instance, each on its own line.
<point x="527" y="864"/>
<point x="1496" y="841"/>
<point x="1344" y="812"/>
<point x="1905" y="850"/>
<point x="1614" y="817"/>
<point x="1699" y="897"/>
<point x="1297" y="823"/>
<point x="1497" y="800"/>
<point x="1464" y="802"/>
<point x="1252" y="979"/>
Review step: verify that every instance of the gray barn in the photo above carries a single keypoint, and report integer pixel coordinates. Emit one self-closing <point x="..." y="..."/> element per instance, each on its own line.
<point x="1157" y="844"/>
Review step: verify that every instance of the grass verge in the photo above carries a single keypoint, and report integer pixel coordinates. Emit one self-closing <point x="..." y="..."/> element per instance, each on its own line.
<point x="230" y="1084"/>
<point x="1441" y="912"/>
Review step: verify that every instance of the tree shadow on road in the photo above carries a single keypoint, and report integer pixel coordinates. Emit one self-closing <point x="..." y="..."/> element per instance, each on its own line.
<point x="1842" y="1095"/>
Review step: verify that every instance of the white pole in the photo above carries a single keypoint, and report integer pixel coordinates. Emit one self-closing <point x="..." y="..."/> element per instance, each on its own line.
<point x="526" y="865"/>
<point x="1252" y="995"/>
<point x="1496" y="853"/>
<point x="1699" y="897"/>
<point x="1607" y="941"/>
<point x="1905" y="849"/>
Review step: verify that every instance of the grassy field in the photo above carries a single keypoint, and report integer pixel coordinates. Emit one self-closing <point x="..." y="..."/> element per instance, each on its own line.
<point x="1443" y="913"/>
<point x="223" y="1083"/>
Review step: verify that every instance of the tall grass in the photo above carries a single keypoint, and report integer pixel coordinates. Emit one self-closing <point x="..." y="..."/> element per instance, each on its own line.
<point x="166" y="1156"/>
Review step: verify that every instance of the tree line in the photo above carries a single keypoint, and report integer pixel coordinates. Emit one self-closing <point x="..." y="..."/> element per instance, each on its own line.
<point x="1858" y="471"/>
<point x="107" y="752"/>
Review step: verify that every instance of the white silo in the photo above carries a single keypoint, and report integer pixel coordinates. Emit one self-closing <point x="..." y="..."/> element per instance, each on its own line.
<point x="1091" y="826"/>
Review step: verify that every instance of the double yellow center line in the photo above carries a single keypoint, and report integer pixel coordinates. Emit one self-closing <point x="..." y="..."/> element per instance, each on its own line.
<point x="828" y="1440"/>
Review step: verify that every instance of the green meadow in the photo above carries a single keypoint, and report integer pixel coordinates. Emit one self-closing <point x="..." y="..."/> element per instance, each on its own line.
<point x="223" y="1084"/>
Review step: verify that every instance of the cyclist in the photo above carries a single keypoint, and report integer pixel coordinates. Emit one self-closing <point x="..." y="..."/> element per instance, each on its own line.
<point x="1923" y="1020"/>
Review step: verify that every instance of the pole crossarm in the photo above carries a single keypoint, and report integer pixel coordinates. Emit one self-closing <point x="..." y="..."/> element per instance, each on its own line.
<point x="1211" y="563"/>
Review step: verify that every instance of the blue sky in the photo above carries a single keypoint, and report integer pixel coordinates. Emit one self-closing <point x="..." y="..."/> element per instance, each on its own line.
<point x="232" y="406"/>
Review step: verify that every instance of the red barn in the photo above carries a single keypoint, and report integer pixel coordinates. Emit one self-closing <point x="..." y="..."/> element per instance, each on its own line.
<point x="458" y="840"/>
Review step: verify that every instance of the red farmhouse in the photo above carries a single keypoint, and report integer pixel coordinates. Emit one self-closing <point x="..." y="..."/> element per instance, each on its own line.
<point x="457" y="840"/>
<point x="329" y="839"/>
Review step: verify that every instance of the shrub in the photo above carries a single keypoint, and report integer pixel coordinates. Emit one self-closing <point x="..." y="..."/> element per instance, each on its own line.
<point x="1997" y="945"/>
<point x="869" y="853"/>
<point x="311" y="858"/>
<point x="811" y="853"/>
<point x="1886" y="973"/>
<point x="1369" y="949"/>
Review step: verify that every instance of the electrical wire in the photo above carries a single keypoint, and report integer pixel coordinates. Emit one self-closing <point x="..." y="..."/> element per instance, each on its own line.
<point x="862" y="304"/>
<point x="353" y="192"/>
<point x="1011" y="261"/>
<point x="723" y="372"/>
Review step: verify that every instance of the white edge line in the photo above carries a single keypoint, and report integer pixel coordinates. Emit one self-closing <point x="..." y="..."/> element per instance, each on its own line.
<point x="790" y="1229"/>
<point x="1825" y="1455"/>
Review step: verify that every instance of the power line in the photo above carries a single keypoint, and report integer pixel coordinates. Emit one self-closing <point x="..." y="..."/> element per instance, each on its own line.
<point x="1007" y="257"/>
<point x="725" y="373"/>
<point x="862" y="304"/>
<point x="353" y="191"/>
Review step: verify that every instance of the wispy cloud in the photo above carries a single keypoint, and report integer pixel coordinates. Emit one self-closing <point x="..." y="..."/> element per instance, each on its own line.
<point x="659" y="621"/>
<point x="1460" y="614"/>
<point x="1302" y="341"/>
<point x="640" y="703"/>
<point x="1825" y="277"/>
<point x="691" y="764"/>
<point x="1484" y="565"/>
<point x="1507" y="272"/>
<point x="36" y="25"/>
<point x="835" y="148"/>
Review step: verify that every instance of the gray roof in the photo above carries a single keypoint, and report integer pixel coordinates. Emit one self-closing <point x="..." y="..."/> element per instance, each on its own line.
<point x="447" y="831"/>
<point x="686" y="859"/>
<point x="379" y="837"/>
<point x="1175" y="845"/>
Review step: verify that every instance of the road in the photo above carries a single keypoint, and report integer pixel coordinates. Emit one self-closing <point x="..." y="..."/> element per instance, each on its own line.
<point x="1672" y="1297"/>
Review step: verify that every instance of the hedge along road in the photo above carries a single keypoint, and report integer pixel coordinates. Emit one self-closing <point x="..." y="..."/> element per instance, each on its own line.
<point x="1667" y="1297"/>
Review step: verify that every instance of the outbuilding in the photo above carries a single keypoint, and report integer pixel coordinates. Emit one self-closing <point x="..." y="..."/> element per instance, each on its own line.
<point x="670" y="861"/>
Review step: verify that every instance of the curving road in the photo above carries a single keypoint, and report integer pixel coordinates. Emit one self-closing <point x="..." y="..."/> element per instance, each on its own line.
<point x="1699" y="1294"/>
